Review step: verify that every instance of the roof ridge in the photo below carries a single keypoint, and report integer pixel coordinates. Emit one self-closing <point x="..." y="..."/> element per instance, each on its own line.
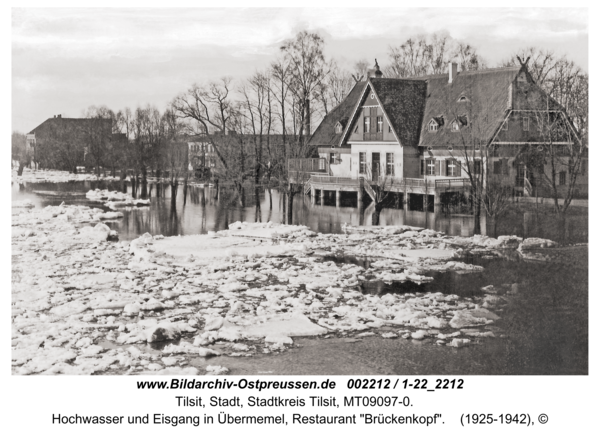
<point x="469" y="72"/>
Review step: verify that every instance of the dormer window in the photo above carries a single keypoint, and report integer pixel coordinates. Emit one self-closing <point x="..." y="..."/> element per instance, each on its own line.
<point x="338" y="128"/>
<point x="432" y="126"/>
<point x="463" y="99"/>
<point x="455" y="126"/>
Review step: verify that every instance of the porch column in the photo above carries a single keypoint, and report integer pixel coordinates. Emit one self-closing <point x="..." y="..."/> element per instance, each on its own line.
<point x="313" y="192"/>
<point x="359" y="197"/>
<point x="321" y="199"/>
<point x="337" y="198"/>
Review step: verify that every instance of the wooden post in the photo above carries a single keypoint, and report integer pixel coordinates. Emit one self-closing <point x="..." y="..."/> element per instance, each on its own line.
<point x="359" y="193"/>
<point x="321" y="199"/>
<point x="337" y="198"/>
<point x="313" y="193"/>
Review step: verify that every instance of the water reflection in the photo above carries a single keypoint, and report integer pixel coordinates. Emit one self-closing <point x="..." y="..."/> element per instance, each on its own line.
<point x="214" y="208"/>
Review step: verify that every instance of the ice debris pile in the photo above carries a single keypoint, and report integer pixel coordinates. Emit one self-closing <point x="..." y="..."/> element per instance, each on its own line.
<point x="52" y="176"/>
<point x="92" y="306"/>
<point x="115" y="199"/>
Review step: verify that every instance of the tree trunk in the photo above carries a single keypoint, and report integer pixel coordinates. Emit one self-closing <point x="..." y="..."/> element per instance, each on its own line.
<point x="75" y="169"/>
<point x="257" y="216"/>
<point x="290" y="206"/>
<point x="376" y="214"/>
<point x="20" y="170"/>
<point x="562" y="227"/>
<point x="185" y="187"/>
<point x="173" y="194"/>
<point x="240" y="192"/>
<point x="477" y="227"/>
<point x="133" y="187"/>
<point x="270" y="200"/>
<point x="217" y="188"/>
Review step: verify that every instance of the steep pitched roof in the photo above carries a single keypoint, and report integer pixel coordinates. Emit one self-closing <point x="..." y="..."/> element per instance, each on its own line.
<point x="487" y="100"/>
<point x="403" y="102"/>
<point x="325" y="134"/>
<point x="70" y="123"/>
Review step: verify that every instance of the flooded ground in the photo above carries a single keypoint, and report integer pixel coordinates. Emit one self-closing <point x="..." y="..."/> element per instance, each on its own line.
<point x="364" y="301"/>
<point x="206" y="211"/>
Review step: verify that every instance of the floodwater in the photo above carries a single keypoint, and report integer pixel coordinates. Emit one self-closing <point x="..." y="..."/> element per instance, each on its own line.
<point x="208" y="210"/>
<point x="545" y="324"/>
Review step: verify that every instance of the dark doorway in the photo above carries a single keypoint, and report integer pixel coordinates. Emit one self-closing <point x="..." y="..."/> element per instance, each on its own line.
<point x="375" y="161"/>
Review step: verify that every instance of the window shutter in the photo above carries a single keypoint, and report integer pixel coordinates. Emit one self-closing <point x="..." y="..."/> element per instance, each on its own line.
<point x="442" y="168"/>
<point x="505" y="166"/>
<point x="422" y="167"/>
<point x="457" y="168"/>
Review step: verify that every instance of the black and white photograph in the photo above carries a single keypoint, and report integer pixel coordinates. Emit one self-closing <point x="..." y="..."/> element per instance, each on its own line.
<point x="374" y="191"/>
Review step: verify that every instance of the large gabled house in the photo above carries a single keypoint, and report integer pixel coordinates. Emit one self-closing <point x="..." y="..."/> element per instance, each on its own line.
<point x="420" y="128"/>
<point x="56" y="137"/>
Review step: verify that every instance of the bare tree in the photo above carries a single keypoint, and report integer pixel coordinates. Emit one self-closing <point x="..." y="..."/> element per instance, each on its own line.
<point x="174" y="152"/>
<point x="257" y="109"/>
<point x="409" y="59"/>
<point x="558" y="157"/>
<point x="20" y="152"/>
<point x="335" y="88"/>
<point x="360" y="70"/>
<point x="541" y="63"/>
<point x="98" y="135"/>
<point x="467" y="57"/>
<point x="308" y="71"/>
<point x="210" y="107"/>
<point x="430" y="55"/>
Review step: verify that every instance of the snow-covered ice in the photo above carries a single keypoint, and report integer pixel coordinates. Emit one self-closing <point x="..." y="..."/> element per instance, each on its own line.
<point x="83" y="305"/>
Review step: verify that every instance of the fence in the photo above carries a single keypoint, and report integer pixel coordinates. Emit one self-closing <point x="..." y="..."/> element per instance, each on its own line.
<point x="308" y="165"/>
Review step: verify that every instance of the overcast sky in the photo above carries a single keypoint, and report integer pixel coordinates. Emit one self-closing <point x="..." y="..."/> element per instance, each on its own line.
<point x="64" y="60"/>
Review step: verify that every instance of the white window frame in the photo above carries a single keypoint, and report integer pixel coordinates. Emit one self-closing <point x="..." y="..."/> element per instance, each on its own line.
<point x="362" y="163"/>
<point x="389" y="164"/>
<point x="429" y="166"/>
<point x="380" y="124"/>
<point x="367" y="124"/>
<point x="451" y="167"/>
<point x="433" y="126"/>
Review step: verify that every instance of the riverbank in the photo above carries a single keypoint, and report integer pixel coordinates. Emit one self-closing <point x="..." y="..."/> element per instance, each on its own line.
<point x="83" y="305"/>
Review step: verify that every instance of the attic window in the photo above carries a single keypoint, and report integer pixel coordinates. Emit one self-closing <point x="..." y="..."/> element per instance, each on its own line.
<point x="372" y="95"/>
<point x="338" y="128"/>
<point x="455" y="126"/>
<point x="432" y="126"/>
<point x="522" y="77"/>
<point x="463" y="99"/>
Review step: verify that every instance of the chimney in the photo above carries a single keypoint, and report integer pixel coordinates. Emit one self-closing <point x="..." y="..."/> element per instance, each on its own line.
<point x="452" y="71"/>
<point x="375" y="72"/>
<point x="59" y="116"/>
